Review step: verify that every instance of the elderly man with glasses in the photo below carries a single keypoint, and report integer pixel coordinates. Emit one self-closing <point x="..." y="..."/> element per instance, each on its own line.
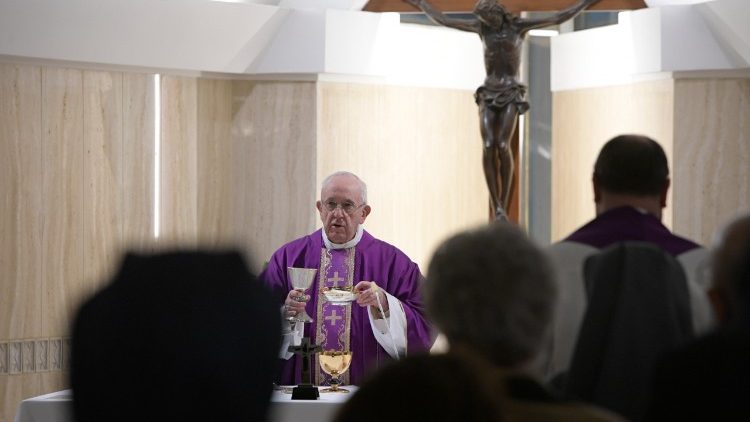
<point x="385" y="321"/>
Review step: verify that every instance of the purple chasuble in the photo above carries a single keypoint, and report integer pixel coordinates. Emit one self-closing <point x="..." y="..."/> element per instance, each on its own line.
<point x="371" y="260"/>
<point x="625" y="224"/>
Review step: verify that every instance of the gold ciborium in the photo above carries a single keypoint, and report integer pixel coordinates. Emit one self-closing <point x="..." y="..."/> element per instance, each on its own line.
<point x="335" y="363"/>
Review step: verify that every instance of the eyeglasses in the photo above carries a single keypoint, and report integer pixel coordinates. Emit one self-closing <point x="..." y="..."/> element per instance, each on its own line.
<point x="347" y="207"/>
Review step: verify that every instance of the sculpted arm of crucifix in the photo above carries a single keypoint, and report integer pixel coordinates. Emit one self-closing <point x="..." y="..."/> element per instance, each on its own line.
<point x="469" y="25"/>
<point x="528" y="24"/>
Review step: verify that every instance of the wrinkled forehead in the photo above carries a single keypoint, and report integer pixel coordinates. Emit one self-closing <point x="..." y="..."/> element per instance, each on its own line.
<point x="342" y="188"/>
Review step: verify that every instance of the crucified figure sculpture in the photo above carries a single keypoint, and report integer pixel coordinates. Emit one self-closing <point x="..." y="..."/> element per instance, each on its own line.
<point x="501" y="98"/>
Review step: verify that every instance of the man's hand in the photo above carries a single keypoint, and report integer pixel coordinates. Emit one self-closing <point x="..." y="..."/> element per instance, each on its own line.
<point x="295" y="302"/>
<point x="368" y="293"/>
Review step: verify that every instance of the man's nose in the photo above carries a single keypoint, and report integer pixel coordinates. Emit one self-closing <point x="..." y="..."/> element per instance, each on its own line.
<point x="339" y="211"/>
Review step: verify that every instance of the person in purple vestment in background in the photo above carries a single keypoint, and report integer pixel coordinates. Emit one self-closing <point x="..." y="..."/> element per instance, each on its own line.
<point x="630" y="181"/>
<point x="387" y="320"/>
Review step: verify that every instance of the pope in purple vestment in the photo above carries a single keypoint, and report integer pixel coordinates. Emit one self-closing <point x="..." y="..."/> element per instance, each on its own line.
<point x="345" y="255"/>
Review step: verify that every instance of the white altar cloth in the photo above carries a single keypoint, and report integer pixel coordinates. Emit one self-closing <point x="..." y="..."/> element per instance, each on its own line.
<point x="57" y="407"/>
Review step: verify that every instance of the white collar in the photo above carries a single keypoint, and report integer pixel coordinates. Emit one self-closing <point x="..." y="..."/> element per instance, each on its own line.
<point x="350" y="244"/>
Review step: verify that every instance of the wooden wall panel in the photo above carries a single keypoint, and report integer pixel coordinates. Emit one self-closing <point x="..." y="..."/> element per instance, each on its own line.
<point x="712" y="151"/>
<point x="62" y="190"/>
<point x="215" y="184"/>
<point x="102" y="174"/>
<point x="178" y="218"/>
<point x="20" y="208"/>
<point x="20" y="222"/>
<point x="138" y="162"/>
<point x="582" y="121"/>
<point x="274" y="139"/>
<point x="419" y="151"/>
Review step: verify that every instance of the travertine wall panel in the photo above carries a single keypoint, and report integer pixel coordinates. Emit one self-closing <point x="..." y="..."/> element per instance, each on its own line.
<point x="20" y="208"/>
<point x="274" y="136"/>
<point x="20" y="224"/>
<point x="102" y="174"/>
<point x="178" y="161"/>
<point x="215" y="184"/>
<point x="711" y="181"/>
<point x="63" y="196"/>
<point x="138" y="162"/>
<point x="582" y="121"/>
<point x="418" y="149"/>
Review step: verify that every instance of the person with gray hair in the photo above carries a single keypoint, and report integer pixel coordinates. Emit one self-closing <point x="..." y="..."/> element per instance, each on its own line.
<point x="491" y="292"/>
<point x="387" y="318"/>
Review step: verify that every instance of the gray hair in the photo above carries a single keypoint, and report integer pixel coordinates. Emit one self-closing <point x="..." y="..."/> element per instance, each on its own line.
<point x="362" y="185"/>
<point x="492" y="290"/>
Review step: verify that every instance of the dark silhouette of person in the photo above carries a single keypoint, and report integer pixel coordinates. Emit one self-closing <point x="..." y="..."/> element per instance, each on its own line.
<point x="501" y="97"/>
<point x="436" y="387"/>
<point x="709" y="379"/>
<point x="185" y="336"/>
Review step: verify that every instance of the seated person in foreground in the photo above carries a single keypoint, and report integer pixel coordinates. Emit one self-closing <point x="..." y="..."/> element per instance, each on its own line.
<point x="387" y="318"/>
<point x="186" y="336"/>
<point x="709" y="379"/>
<point x="491" y="293"/>
<point x="630" y="185"/>
<point x="431" y="387"/>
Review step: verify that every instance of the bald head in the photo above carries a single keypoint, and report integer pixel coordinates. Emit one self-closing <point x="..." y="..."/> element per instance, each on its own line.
<point x="631" y="170"/>
<point x="632" y="164"/>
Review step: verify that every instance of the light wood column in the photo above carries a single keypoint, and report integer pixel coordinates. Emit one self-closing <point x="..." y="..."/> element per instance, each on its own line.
<point x="711" y="171"/>
<point x="21" y="225"/>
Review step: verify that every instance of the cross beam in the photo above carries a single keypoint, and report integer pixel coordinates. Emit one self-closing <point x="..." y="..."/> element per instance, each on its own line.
<point x="513" y="6"/>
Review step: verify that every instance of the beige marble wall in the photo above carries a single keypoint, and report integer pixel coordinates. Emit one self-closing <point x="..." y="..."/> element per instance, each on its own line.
<point x="71" y="175"/>
<point x="704" y="126"/>
<point x="137" y="182"/>
<point x="21" y="287"/>
<point x="712" y="154"/>
<point x="418" y="149"/>
<point x="582" y="121"/>
<point x="274" y="136"/>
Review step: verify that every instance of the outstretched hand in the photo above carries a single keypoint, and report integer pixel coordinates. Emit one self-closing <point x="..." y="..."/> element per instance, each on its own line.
<point x="368" y="294"/>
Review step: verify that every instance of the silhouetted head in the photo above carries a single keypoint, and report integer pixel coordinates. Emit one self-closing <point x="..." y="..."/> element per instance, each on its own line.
<point x="631" y="170"/>
<point x="491" y="291"/>
<point x="730" y="290"/>
<point x="188" y="336"/>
